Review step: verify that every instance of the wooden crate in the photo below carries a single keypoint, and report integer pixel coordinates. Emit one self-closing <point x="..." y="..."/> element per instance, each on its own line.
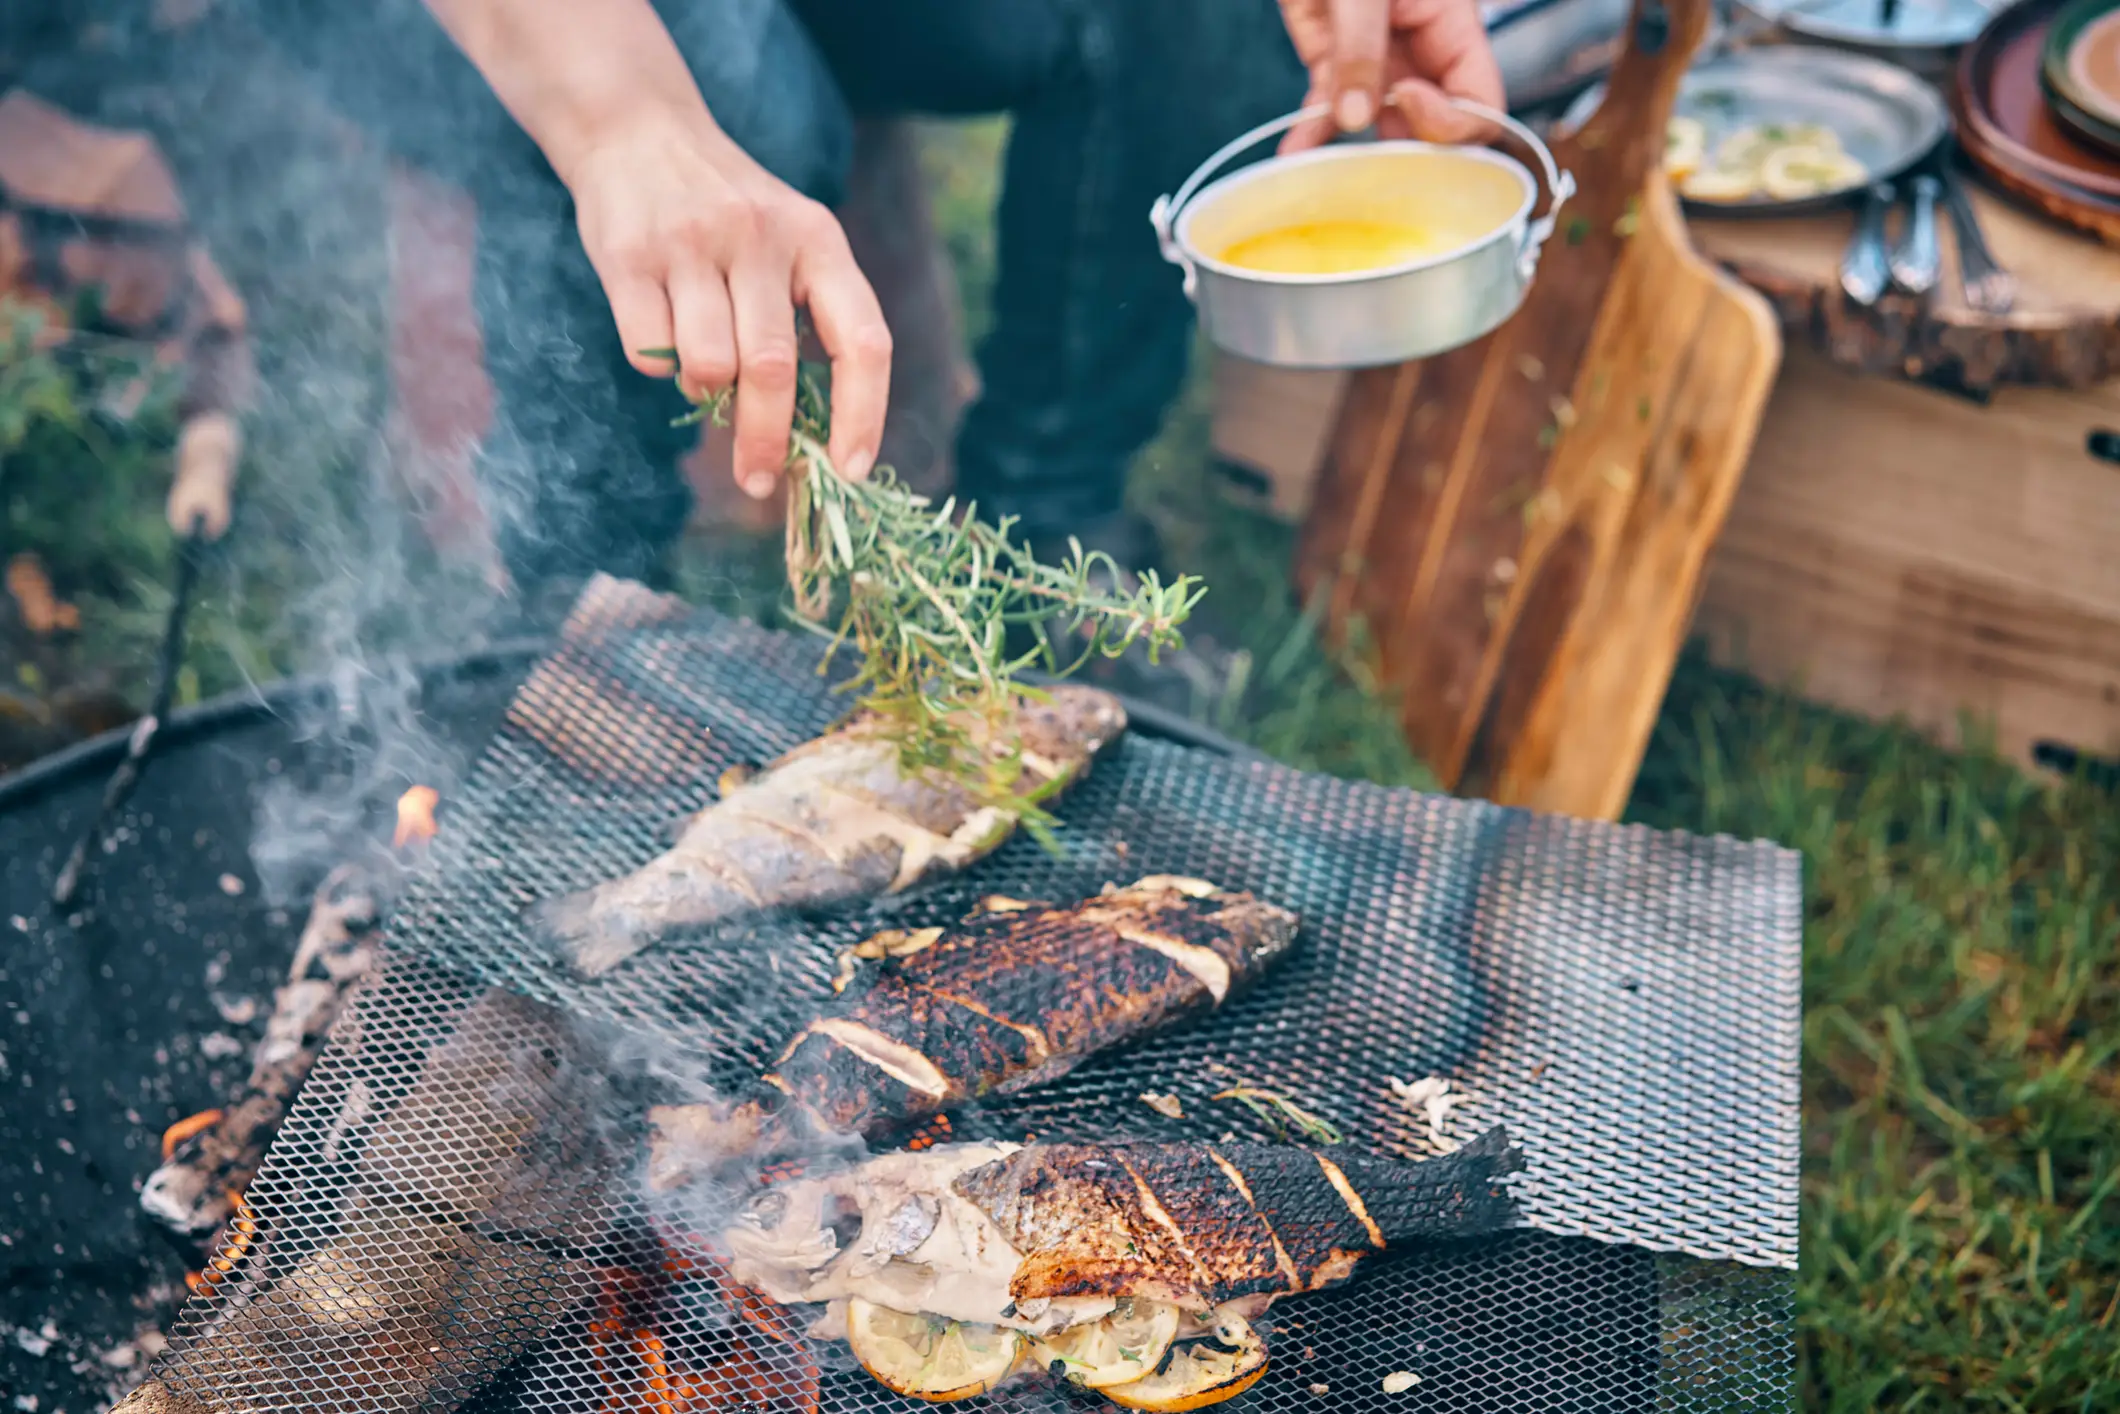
<point x="1901" y="552"/>
<point x="1269" y="429"/>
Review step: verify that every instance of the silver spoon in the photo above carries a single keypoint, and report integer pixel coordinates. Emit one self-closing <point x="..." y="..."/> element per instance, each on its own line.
<point x="1866" y="269"/>
<point x="1917" y="260"/>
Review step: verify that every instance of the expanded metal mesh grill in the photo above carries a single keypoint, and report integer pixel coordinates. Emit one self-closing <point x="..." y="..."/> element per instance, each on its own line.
<point x="455" y="1212"/>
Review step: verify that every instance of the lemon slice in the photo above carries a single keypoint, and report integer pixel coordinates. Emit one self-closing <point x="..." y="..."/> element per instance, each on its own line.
<point x="1742" y="152"/>
<point x="1796" y="172"/>
<point x="929" y="1358"/>
<point x="1198" y="1373"/>
<point x="1123" y="1347"/>
<point x="1720" y="184"/>
<point x="1806" y="135"/>
<point x="1685" y="147"/>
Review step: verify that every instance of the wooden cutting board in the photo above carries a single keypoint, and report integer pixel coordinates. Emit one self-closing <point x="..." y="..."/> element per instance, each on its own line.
<point x="1520" y="525"/>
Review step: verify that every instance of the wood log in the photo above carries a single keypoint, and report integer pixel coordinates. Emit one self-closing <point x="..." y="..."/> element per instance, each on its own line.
<point x="1521" y="523"/>
<point x="2064" y="330"/>
<point x="194" y="1191"/>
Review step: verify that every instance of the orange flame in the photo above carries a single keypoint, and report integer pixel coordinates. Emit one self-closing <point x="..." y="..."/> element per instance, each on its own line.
<point x="416" y="815"/>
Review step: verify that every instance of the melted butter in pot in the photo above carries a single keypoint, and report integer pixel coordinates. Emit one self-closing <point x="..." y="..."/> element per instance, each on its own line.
<point x="1336" y="247"/>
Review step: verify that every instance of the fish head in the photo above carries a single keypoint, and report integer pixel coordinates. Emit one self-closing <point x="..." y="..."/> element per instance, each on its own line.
<point x="1072" y="723"/>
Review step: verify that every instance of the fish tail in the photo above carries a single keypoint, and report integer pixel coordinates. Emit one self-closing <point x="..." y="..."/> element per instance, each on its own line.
<point x="689" y="1142"/>
<point x="1459" y="1194"/>
<point x="589" y="931"/>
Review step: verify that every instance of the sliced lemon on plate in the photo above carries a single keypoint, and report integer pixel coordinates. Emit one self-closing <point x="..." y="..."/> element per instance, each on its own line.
<point x="1685" y="147"/>
<point x="1742" y="152"/>
<point x="1804" y="135"/>
<point x="927" y="1357"/>
<point x="1793" y="173"/>
<point x="1719" y="184"/>
<point x="1121" y="1348"/>
<point x="1198" y="1373"/>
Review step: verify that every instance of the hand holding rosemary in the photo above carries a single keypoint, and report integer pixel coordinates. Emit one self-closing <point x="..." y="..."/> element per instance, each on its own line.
<point x="929" y="598"/>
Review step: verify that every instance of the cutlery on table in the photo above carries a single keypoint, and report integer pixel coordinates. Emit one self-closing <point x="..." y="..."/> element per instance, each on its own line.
<point x="1918" y="258"/>
<point x="1866" y="268"/>
<point x="1989" y="289"/>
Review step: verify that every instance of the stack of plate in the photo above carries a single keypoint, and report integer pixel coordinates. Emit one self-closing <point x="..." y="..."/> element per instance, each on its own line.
<point x="2081" y="66"/>
<point x="2038" y="108"/>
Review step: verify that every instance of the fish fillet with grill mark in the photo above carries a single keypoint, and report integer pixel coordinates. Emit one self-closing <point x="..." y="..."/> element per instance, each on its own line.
<point x="1016" y="995"/>
<point x="833" y="819"/>
<point x="1047" y="1236"/>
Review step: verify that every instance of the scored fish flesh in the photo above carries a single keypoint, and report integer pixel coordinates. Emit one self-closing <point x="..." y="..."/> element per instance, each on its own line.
<point x="836" y="818"/>
<point x="1036" y="1242"/>
<point x="1014" y="996"/>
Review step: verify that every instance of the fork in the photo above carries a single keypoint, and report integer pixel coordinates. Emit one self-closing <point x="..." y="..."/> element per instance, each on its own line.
<point x="1989" y="289"/>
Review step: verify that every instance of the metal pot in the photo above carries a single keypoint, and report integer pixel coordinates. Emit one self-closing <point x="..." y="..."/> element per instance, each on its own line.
<point x="1368" y="317"/>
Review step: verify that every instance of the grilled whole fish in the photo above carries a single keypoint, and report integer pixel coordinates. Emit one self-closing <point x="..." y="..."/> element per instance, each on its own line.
<point x="1049" y="1236"/>
<point x="833" y="819"/>
<point x="1016" y="995"/>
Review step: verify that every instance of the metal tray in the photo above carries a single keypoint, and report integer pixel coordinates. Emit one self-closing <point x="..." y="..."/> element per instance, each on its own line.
<point x="1912" y="26"/>
<point x="1628" y="1002"/>
<point x="1886" y="118"/>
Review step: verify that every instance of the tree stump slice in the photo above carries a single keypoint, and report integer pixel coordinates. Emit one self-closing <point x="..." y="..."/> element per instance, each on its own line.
<point x="2063" y="333"/>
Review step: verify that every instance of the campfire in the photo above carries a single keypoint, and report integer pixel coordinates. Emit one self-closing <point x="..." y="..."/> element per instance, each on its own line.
<point x="453" y="1209"/>
<point x="210" y="1157"/>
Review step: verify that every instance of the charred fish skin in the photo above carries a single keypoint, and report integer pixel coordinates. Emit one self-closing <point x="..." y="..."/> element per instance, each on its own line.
<point x="1212" y="1223"/>
<point x="833" y="819"/>
<point x="1013" y="997"/>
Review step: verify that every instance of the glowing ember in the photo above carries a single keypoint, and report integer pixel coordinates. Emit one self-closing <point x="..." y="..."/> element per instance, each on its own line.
<point x="184" y="1129"/>
<point x="416" y="815"/>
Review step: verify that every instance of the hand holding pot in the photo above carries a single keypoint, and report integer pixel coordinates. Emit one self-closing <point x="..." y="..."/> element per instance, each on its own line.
<point x="1394" y="63"/>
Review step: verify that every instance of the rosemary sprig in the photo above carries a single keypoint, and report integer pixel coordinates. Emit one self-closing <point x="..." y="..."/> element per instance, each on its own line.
<point x="1279" y="1112"/>
<point x="928" y="597"/>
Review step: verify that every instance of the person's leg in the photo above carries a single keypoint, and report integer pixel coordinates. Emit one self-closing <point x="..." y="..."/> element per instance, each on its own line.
<point x="1115" y="102"/>
<point x="579" y="470"/>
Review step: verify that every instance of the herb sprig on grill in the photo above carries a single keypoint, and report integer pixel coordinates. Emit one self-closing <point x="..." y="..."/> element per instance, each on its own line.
<point x="939" y="606"/>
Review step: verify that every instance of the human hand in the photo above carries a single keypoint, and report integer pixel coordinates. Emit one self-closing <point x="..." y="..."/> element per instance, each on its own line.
<point x="1395" y="63"/>
<point x="702" y="250"/>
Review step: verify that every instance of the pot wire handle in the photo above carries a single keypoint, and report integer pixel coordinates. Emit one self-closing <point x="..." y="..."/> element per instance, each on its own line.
<point x="1559" y="185"/>
<point x="1164" y="214"/>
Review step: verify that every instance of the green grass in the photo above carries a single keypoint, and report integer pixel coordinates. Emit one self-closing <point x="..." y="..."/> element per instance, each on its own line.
<point x="1961" y="1242"/>
<point x="1961" y="1201"/>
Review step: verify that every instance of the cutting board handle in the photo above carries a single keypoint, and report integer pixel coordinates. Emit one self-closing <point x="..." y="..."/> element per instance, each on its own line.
<point x="1661" y="40"/>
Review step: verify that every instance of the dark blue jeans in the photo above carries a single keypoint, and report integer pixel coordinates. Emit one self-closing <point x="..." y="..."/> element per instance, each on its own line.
<point x="1114" y="102"/>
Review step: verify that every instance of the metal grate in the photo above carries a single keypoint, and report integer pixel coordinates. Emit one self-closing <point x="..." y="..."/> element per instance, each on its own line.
<point x="453" y="1212"/>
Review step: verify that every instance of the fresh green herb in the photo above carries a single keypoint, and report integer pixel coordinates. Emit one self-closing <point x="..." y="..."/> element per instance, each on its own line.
<point x="1279" y="1112"/>
<point x="1578" y="229"/>
<point x="930" y="599"/>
